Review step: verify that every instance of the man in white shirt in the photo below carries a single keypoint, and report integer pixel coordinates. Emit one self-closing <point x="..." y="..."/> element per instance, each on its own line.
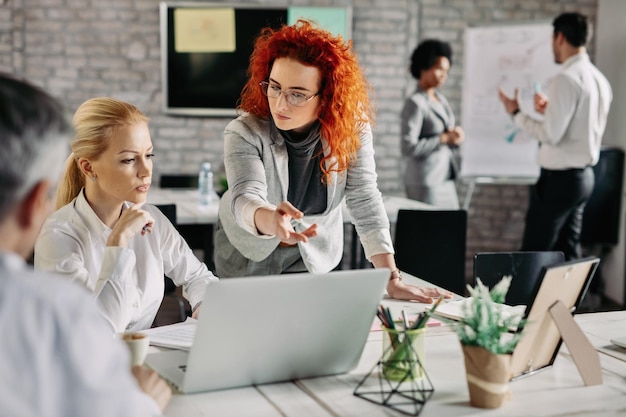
<point x="569" y="138"/>
<point x="57" y="355"/>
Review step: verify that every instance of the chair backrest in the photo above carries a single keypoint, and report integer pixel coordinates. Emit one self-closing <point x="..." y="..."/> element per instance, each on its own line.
<point x="169" y="210"/>
<point x="430" y="244"/>
<point x="524" y="267"/>
<point x="178" y="181"/>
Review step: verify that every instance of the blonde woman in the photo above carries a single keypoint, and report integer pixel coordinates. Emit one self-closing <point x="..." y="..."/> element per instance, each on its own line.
<point x="102" y="234"/>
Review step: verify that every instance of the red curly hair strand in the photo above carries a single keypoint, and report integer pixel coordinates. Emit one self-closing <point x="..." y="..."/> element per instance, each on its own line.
<point x="344" y="91"/>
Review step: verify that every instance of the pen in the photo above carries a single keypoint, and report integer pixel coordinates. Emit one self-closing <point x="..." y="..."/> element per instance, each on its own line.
<point x="432" y="310"/>
<point x="418" y="321"/>
<point x="381" y="316"/>
<point x="421" y="322"/>
<point x="537" y="87"/>
<point x="299" y="221"/>
<point x="405" y="321"/>
<point x="391" y="325"/>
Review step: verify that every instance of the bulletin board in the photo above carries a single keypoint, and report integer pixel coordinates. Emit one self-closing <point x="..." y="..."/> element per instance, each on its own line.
<point x="206" y="47"/>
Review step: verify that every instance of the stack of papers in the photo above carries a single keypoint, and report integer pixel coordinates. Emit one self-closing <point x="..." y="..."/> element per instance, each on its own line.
<point x="454" y="309"/>
<point x="175" y="336"/>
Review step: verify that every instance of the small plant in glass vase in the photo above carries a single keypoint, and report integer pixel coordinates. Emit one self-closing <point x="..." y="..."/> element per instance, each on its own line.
<point x="487" y="342"/>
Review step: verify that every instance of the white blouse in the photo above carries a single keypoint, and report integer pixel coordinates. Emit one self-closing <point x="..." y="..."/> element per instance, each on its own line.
<point x="127" y="282"/>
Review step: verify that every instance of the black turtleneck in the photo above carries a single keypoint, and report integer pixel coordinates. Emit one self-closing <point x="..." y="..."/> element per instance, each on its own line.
<point x="306" y="190"/>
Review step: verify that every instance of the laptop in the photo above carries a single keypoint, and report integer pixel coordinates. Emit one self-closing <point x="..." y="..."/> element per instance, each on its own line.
<point x="566" y="282"/>
<point x="258" y="330"/>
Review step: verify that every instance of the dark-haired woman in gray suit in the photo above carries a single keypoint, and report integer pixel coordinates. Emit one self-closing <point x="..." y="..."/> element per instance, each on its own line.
<point x="428" y="129"/>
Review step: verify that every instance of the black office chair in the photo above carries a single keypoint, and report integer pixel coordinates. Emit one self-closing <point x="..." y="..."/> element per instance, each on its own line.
<point x="525" y="268"/>
<point x="172" y="300"/>
<point x="430" y="244"/>
<point x="178" y="181"/>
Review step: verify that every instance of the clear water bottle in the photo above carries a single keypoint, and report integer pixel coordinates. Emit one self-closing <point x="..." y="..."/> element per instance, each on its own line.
<point x="205" y="184"/>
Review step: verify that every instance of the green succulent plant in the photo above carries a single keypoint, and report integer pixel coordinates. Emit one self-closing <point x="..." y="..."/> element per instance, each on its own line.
<point x="486" y="321"/>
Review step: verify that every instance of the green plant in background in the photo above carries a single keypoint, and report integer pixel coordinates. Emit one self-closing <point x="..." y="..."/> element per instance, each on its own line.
<point x="486" y="320"/>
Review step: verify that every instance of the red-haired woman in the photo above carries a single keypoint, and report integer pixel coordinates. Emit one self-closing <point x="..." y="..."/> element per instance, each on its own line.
<point x="302" y="143"/>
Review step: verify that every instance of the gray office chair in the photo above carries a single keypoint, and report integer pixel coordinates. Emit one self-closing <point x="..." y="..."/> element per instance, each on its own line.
<point x="430" y="244"/>
<point x="526" y="268"/>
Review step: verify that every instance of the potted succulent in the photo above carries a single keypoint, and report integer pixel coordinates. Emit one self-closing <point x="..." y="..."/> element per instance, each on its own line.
<point x="487" y="343"/>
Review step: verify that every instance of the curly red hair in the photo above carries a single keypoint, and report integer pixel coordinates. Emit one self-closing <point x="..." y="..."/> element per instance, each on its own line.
<point x="344" y="90"/>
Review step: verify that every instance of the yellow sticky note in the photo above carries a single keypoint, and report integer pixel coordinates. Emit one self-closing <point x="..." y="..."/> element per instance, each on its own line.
<point x="204" y="30"/>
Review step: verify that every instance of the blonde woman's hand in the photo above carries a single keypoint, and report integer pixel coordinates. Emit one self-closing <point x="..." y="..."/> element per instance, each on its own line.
<point x="132" y="221"/>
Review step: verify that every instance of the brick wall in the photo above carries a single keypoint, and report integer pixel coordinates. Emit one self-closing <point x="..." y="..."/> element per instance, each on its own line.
<point x="78" y="49"/>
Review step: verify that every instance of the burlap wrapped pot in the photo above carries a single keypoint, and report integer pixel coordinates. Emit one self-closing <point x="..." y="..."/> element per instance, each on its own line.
<point x="488" y="376"/>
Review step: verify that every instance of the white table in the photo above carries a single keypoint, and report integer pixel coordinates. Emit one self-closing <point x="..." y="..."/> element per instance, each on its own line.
<point x="558" y="391"/>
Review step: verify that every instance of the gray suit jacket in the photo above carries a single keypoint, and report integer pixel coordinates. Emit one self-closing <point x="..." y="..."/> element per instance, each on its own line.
<point x="428" y="162"/>
<point x="256" y="162"/>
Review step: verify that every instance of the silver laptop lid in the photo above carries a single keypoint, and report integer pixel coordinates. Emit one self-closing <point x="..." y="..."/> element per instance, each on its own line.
<point x="257" y="330"/>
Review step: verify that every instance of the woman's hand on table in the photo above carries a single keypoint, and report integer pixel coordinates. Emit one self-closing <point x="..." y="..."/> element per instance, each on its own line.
<point x="401" y="291"/>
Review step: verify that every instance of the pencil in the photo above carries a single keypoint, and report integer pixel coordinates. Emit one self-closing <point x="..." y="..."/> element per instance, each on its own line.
<point x="421" y="322"/>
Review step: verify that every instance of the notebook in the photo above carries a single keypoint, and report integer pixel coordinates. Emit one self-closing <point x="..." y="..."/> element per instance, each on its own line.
<point x="258" y="330"/>
<point x="566" y="282"/>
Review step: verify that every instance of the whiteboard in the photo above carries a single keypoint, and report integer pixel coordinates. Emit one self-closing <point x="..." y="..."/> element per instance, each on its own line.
<point x="509" y="57"/>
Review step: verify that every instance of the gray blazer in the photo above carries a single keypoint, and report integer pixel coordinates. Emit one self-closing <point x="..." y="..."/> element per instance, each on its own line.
<point x="256" y="162"/>
<point x="428" y="162"/>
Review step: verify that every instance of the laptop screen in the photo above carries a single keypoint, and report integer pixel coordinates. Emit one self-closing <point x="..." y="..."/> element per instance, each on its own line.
<point x="257" y="330"/>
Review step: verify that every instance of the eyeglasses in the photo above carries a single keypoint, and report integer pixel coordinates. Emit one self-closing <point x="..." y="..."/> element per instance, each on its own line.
<point x="294" y="98"/>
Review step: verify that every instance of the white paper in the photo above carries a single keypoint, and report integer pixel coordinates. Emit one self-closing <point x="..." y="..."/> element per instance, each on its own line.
<point x="176" y="336"/>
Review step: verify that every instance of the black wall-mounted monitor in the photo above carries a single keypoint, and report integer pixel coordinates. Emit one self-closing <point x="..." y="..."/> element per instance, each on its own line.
<point x="205" y="49"/>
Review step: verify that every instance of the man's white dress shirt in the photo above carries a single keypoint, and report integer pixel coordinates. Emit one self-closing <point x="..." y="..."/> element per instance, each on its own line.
<point x="127" y="282"/>
<point x="571" y="130"/>
<point x="59" y="357"/>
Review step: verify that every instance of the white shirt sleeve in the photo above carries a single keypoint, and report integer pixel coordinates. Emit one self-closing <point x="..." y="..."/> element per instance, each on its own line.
<point x="180" y="263"/>
<point x="563" y="98"/>
<point x="114" y="289"/>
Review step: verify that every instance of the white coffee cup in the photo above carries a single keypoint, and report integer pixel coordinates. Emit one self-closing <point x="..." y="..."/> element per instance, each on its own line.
<point x="138" y="344"/>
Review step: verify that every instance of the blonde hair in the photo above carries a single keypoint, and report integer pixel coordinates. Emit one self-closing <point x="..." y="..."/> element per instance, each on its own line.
<point x="94" y="122"/>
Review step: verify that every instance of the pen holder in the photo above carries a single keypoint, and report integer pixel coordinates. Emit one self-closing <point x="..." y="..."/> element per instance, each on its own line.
<point x="403" y="354"/>
<point x="399" y="380"/>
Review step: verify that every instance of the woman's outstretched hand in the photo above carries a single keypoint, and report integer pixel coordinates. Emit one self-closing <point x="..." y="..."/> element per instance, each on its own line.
<point x="278" y="223"/>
